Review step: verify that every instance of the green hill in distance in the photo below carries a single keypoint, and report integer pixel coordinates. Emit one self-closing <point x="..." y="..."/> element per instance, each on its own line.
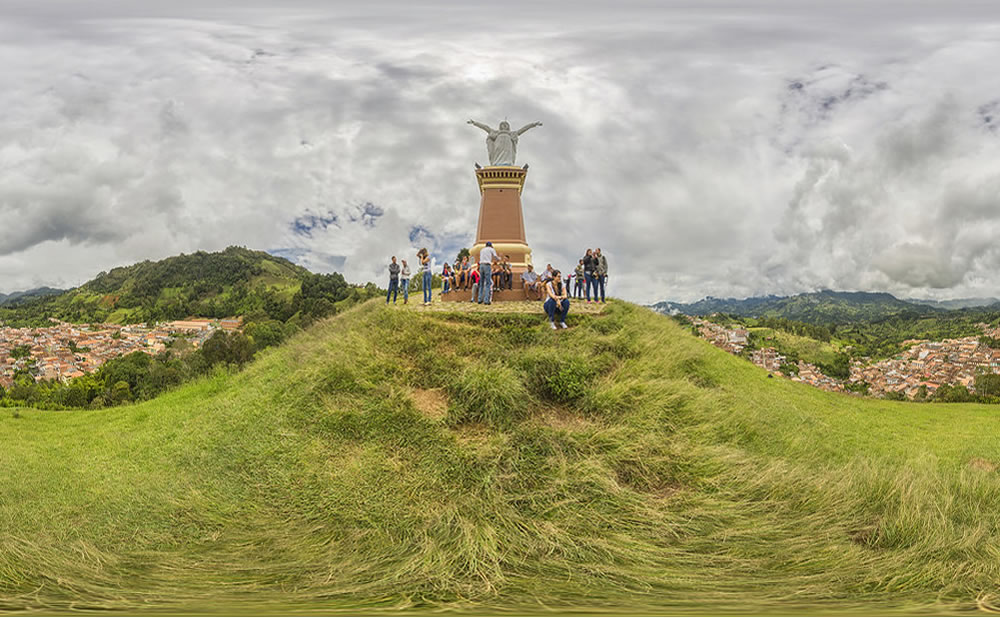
<point x="825" y="307"/>
<point x="27" y="295"/>
<point x="236" y="281"/>
<point x="395" y="460"/>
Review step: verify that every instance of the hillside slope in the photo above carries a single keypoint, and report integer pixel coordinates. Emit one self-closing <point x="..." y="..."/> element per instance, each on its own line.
<point x="394" y="460"/>
<point x="28" y="295"/>
<point x="217" y="284"/>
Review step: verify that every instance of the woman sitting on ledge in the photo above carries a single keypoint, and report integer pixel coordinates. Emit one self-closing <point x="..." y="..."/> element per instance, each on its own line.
<point x="463" y="274"/>
<point x="556" y="301"/>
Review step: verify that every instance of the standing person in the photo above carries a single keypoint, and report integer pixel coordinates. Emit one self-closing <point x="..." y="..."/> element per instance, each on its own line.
<point x="486" y="258"/>
<point x="556" y="301"/>
<point x="600" y="273"/>
<point x="428" y="276"/>
<point x="588" y="271"/>
<point x="404" y="282"/>
<point x="393" y="281"/>
<point x="578" y="273"/>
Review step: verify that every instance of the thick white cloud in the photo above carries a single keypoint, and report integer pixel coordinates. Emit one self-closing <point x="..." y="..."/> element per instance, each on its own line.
<point x="708" y="149"/>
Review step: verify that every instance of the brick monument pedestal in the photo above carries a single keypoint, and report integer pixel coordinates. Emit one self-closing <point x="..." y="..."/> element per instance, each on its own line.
<point x="501" y="222"/>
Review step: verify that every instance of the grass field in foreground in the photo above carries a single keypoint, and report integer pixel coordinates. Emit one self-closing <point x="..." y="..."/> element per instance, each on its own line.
<point x="411" y="461"/>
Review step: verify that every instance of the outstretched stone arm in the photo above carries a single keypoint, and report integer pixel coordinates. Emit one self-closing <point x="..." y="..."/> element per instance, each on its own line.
<point x="528" y="126"/>
<point x="484" y="127"/>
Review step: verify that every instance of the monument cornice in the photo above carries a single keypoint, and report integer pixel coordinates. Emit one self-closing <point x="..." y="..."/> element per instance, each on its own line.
<point x="501" y="177"/>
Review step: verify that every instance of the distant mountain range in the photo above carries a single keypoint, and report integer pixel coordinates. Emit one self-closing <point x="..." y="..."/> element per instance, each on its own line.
<point x="958" y="303"/>
<point x="825" y="307"/>
<point x="21" y="297"/>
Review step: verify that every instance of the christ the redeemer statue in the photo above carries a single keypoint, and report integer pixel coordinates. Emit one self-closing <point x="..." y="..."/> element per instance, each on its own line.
<point x="501" y="144"/>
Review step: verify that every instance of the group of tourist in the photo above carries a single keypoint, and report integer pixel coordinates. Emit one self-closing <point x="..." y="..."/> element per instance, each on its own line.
<point x="492" y="272"/>
<point x="591" y="273"/>
<point x="399" y="278"/>
<point x="499" y="273"/>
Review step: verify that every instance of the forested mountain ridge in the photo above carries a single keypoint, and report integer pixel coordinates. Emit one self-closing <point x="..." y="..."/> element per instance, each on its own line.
<point x="236" y="281"/>
<point x="28" y="295"/>
<point x="824" y="307"/>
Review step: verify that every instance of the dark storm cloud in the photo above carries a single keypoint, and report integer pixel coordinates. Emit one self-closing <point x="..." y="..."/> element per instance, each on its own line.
<point x="707" y="147"/>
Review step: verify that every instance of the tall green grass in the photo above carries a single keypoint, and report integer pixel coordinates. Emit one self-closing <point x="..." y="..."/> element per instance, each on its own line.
<point x="620" y="466"/>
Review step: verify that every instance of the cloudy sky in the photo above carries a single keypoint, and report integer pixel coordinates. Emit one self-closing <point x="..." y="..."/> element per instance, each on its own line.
<point x="710" y="148"/>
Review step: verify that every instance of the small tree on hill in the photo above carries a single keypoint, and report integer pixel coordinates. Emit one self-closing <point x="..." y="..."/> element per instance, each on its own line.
<point x="222" y="347"/>
<point x="120" y="393"/>
<point x="988" y="385"/>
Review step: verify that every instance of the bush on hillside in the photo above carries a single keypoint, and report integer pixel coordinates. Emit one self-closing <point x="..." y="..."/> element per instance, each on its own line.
<point x="228" y="348"/>
<point x="953" y="394"/>
<point x="988" y="385"/>
<point x="839" y="368"/>
<point x="491" y="394"/>
<point x="558" y="375"/>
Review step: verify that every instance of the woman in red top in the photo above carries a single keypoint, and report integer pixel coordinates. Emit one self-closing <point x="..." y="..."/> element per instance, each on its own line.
<point x="474" y="279"/>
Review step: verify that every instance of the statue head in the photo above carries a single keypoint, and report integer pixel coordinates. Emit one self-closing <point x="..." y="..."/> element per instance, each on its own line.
<point x="504" y="126"/>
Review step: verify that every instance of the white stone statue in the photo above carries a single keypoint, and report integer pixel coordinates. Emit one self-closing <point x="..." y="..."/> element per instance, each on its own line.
<point x="501" y="144"/>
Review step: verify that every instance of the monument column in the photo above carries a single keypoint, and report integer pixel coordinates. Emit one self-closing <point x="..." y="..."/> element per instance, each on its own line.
<point x="501" y="220"/>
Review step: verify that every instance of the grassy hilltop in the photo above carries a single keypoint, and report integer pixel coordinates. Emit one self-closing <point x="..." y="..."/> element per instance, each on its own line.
<point x="391" y="459"/>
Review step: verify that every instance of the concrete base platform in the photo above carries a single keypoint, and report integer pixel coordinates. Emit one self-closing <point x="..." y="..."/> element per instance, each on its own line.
<point x="498" y="296"/>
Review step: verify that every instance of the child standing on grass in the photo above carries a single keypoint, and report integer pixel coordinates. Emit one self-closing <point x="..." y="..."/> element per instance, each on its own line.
<point x="404" y="282"/>
<point x="556" y="301"/>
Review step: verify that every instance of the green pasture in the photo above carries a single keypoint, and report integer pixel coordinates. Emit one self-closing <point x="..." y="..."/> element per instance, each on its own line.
<point x="394" y="460"/>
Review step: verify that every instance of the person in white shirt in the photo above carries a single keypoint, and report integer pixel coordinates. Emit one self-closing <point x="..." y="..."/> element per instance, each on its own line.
<point x="486" y="258"/>
<point x="404" y="282"/>
<point x="531" y="282"/>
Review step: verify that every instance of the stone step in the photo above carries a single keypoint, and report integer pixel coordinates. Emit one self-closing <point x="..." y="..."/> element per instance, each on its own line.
<point x="498" y="295"/>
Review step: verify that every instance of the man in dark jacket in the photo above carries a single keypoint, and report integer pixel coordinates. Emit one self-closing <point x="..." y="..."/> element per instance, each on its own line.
<point x="589" y="264"/>
<point x="393" y="281"/>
